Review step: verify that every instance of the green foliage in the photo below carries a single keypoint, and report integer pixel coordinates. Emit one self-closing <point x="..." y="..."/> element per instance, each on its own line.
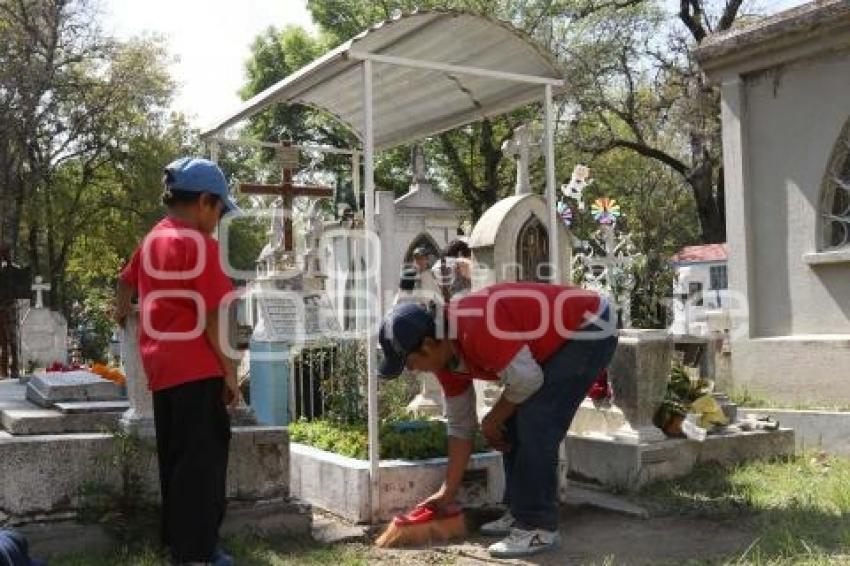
<point x="344" y="387"/>
<point x="124" y="507"/>
<point x="681" y="392"/>
<point x="402" y="440"/>
<point x="346" y="439"/>
<point x="394" y="395"/>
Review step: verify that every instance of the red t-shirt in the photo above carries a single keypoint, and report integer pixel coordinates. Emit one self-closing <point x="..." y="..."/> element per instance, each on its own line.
<point x="178" y="275"/>
<point x="493" y="324"/>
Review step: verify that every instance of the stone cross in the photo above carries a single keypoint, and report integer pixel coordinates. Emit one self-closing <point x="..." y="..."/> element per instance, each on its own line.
<point x="287" y="190"/>
<point x="420" y="173"/>
<point x="39" y="287"/>
<point x="523" y="149"/>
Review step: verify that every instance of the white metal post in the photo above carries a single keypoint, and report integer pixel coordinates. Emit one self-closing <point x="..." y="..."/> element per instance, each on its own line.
<point x="214" y="151"/>
<point x="355" y="178"/>
<point x="551" y="197"/>
<point x="372" y="259"/>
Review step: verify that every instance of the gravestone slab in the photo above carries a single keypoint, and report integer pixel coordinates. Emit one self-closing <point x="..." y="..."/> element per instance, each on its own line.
<point x="47" y="389"/>
<point x="295" y="317"/>
<point x="43" y="336"/>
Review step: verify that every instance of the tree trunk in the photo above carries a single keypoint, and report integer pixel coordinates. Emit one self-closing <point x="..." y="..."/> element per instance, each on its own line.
<point x="710" y="205"/>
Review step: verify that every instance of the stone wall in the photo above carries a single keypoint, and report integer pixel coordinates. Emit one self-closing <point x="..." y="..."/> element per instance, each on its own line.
<point x="41" y="477"/>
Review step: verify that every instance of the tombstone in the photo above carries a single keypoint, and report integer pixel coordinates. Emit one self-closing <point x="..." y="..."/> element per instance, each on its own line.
<point x="139" y="416"/>
<point x="51" y="388"/>
<point x="43" y="332"/>
<point x="510" y="242"/>
<point x="421" y="217"/>
<point x="639" y="374"/>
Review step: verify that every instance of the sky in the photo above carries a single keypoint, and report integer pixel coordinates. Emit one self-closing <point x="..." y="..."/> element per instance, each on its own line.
<point x="210" y="40"/>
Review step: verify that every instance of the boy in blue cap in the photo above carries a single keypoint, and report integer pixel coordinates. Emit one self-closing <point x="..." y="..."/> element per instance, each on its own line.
<point x="183" y="293"/>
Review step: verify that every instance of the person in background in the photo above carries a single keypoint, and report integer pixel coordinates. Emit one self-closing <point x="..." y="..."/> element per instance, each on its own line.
<point x="545" y="344"/>
<point x="182" y="291"/>
<point x="407" y="292"/>
<point x="458" y="276"/>
<point x="426" y="283"/>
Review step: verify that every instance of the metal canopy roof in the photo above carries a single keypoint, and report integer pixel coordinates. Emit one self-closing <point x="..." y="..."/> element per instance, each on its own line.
<point x="433" y="71"/>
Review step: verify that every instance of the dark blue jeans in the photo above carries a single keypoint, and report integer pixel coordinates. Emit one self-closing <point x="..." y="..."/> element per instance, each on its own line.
<point x="538" y="426"/>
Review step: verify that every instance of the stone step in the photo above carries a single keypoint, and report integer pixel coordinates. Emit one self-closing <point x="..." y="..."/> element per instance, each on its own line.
<point x="78" y="407"/>
<point x="31" y="420"/>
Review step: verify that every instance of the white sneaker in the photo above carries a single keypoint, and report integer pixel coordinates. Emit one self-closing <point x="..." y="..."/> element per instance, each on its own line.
<point x="500" y="527"/>
<point x="520" y="542"/>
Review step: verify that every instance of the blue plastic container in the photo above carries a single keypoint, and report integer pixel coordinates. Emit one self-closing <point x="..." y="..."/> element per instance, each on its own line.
<point x="270" y="382"/>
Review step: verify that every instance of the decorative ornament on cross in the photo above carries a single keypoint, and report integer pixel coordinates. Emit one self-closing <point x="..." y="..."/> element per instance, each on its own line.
<point x="565" y="211"/>
<point x="579" y="181"/>
<point x="289" y="157"/>
<point x="606" y="211"/>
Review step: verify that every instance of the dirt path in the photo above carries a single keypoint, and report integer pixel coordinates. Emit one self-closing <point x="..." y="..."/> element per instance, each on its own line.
<point x="591" y="536"/>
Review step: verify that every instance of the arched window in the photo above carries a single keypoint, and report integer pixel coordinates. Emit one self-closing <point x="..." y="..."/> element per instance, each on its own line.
<point x="835" y="205"/>
<point x="532" y="251"/>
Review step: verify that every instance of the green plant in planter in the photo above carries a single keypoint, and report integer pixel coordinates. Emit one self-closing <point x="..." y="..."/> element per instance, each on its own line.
<point x="400" y="440"/>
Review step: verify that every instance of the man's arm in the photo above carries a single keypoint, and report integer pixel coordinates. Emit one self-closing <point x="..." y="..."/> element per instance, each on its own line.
<point x="522" y="377"/>
<point x="232" y="394"/>
<point x="123" y="301"/>
<point x="463" y="422"/>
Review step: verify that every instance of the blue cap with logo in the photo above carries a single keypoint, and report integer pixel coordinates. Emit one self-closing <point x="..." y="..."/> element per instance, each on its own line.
<point x="404" y="329"/>
<point x="198" y="175"/>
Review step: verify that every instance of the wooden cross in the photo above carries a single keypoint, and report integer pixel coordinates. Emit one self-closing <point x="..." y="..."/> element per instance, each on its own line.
<point x="288" y="157"/>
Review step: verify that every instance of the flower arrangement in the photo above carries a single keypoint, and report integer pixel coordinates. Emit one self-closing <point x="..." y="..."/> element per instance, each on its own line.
<point x="63" y="368"/>
<point x="111" y="374"/>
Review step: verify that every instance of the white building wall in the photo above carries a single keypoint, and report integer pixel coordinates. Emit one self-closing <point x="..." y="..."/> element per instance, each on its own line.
<point x="794" y="118"/>
<point x="780" y="128"/>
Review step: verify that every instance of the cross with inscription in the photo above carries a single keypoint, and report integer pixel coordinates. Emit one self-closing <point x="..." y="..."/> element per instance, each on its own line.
<point x="288" y="157"/>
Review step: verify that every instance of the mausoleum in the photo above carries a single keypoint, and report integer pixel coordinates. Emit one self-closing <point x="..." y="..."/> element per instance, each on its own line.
<point x="786" y="142"/>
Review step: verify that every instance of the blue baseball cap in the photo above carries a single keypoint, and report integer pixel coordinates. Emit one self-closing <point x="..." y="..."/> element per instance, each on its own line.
<point x="404" y="329"/>
<point x="198" y="175"/>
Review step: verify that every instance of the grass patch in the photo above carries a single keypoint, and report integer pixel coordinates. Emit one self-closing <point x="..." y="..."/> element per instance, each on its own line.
<point x="246" y="551"/>
<point x="748" y="399"/>
<point x="799" y="506"/>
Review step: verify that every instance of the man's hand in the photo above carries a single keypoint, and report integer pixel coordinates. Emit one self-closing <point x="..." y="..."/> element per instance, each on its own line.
<point x="493" y="430"/>
<point x="493" y="425"/>
<point x="441" y="499"/>
<point x="232" y="394"/>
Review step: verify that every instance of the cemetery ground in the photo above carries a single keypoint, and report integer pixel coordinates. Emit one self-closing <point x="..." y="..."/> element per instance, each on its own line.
<point x="789" y="511"/>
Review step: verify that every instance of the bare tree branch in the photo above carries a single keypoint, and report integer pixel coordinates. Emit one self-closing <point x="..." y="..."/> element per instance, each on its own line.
<point x="729" y="14"/>
<point x="690" y="13"/>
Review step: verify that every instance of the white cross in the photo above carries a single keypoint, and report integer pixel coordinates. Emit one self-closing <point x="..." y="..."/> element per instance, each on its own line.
<point x="39" y="287"/>
<point x="524" y="150"/>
